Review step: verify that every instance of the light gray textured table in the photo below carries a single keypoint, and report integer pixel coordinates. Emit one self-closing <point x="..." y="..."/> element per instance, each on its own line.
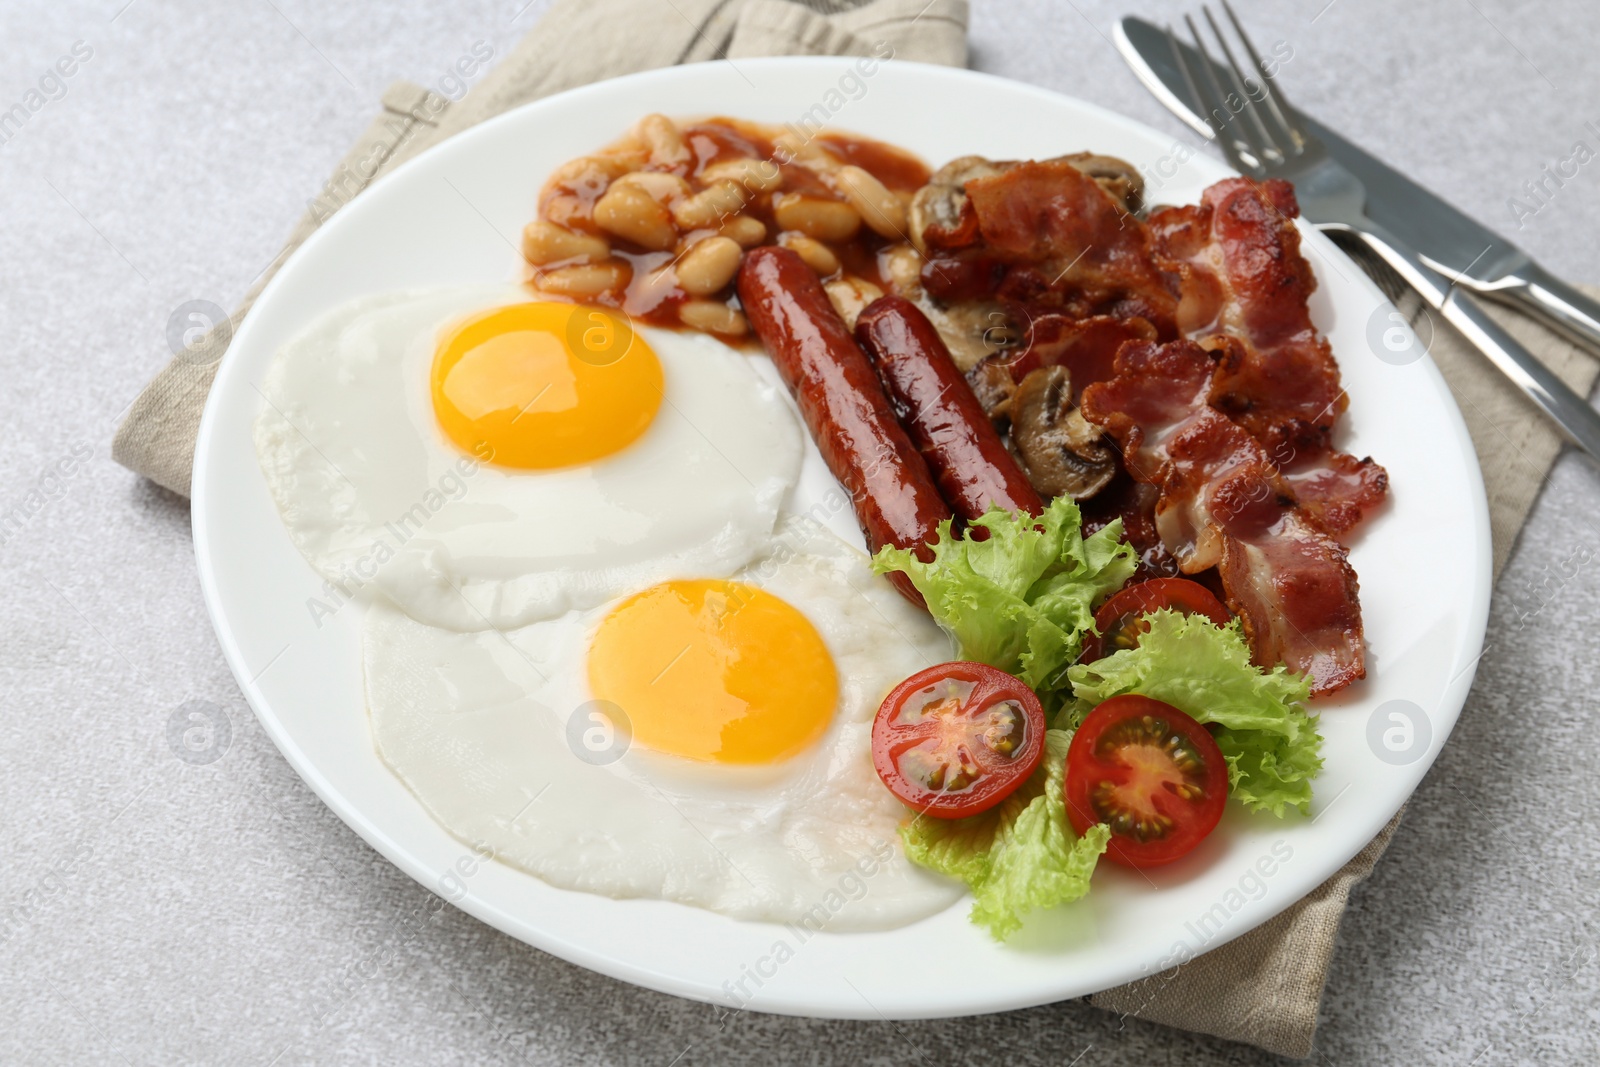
<point x="156" y="911"/>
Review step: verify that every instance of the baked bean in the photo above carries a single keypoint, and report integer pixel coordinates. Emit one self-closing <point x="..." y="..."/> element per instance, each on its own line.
<point x="586" y="282"/>
<point x="694" y="216"/>
<point x="850" y="297"/>
<point x="594" y="173"/>
<point x="663" y="188"/>
<point x="757" y="175"/>
<point x="881" y="209"/>
<point x="747" y="231"/>
<point x="567" y="210"/>
<point x="824" y="220"/>
<point x="568" y="200"/>
<point x="666" y="142"/>
<point x="712" y="316"/>
<point x="654" y="288"/>
<point x="709" y="206"/>
<point x="545" y="242"/>
<point x="805" y="151"/>
<point x="709" y="265"/>
<point x="901" y="264"/>
<point x="818" y="256"/>
<point x="629" y="212"/>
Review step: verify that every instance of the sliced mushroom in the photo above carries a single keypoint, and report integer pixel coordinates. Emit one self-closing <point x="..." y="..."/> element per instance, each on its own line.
<point x="940" y="203"/>
<point x="971" y="329"/>
<point x="1060" y="450"/>
<point x="994" y="387"/>
<point x="1116" y="176"/>
<point x="942" y="218"/>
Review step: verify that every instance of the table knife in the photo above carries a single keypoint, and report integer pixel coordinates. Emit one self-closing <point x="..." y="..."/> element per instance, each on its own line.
<point x="1462" y="249"/>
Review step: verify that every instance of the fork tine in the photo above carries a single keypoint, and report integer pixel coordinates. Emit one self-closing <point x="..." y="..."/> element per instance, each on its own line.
<point x="1233" y="136"/>
<point x="1288" y="118"/>
<point x="1204" y="98"/>
<point x="1242" y="84"/>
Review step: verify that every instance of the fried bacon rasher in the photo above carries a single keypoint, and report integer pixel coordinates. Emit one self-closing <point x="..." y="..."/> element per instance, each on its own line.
<point x="1189" y="340"/>
<point x="1046" y="236"/>
<point x="1224" y="504"/>
<point x="1245" y="294"/>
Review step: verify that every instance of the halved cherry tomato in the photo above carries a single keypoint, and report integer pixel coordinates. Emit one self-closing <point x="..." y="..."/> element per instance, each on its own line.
<point x="1151" y="773"/>
<point x="957" y="739"/>
<point x="1118" y="619"/>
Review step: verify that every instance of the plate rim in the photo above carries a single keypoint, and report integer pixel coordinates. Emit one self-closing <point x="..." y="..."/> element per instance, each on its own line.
<point x="1453" y="696"/>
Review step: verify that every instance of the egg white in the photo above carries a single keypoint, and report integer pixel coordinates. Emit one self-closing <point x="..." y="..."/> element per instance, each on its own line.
<point x="377" y="498"/>
<point x="477" y="726"/>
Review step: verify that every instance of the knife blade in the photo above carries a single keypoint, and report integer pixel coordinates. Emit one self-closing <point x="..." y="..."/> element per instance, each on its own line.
<point x="1454" y="244"/>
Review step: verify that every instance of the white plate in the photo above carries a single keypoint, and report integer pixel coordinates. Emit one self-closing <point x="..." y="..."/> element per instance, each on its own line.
<point x="454" y="215"/>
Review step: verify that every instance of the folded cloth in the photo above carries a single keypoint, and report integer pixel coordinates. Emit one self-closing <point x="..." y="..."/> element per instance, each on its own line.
<point x="1264" y="987"/>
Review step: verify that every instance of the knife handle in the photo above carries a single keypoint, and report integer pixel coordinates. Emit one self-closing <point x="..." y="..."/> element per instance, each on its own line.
<point x="1533" y="290"/>
<point x="1569" y="411"/>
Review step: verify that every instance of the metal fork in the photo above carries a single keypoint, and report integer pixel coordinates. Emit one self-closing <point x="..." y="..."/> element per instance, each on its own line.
<point x="1264" y="137"/>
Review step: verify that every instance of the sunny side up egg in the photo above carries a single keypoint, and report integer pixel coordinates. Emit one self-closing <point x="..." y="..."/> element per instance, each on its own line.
<point x="729" y="766"/>
<point x="586" y="650"/>
<point x="485" y="461"/>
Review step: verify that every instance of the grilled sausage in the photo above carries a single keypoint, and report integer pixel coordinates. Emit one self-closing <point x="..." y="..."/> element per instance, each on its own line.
<point x="937" y="407"/>
<point x="844" y="406"/>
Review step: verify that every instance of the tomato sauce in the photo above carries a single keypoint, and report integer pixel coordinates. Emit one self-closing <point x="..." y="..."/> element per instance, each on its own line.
<point x="651" y="293"/>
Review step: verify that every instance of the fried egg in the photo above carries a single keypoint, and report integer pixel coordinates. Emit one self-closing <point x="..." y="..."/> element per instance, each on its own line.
<point x="700" y="741"/>
<point x="487" y="461"/>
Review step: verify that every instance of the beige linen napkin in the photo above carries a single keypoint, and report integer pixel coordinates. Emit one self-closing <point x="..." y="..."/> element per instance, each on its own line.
<point x="1264" y="987"/>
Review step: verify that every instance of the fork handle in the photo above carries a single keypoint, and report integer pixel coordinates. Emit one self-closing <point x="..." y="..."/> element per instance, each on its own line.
<point x="1569" y="411"/>
<point x="1532" y="289"/>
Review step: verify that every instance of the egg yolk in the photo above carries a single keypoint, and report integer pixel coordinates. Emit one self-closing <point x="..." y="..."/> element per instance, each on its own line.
<point x="544" y="385"/>
<point x="715" y="670"/>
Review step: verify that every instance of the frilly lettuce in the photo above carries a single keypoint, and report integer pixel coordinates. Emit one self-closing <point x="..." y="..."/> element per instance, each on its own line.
<point x="1021" y="599"/>
<point x="1271" y="744"/>
<point x="1019" y="855"/>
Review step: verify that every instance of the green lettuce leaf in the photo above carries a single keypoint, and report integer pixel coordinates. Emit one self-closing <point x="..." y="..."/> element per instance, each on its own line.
<point x="1272" y="746"/>
<point x="1020" y="854"/>
<point x="1021" y="599"/>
